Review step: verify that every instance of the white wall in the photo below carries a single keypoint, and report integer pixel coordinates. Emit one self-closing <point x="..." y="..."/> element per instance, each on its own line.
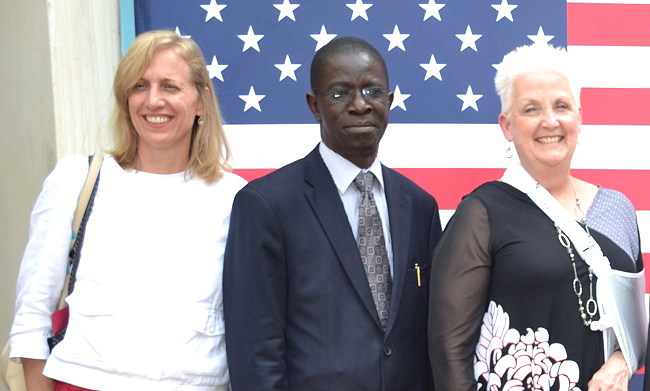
<point x="56" y="69"/>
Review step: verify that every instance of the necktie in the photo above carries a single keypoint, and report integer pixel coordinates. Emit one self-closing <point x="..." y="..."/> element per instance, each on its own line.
<point x="372" y="247"/>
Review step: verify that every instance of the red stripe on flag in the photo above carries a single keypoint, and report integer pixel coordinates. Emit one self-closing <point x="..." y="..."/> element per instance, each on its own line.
<point x="449" y="185"/>
<point x="635" y="184"/>
<point x="608" y="24"/>
<point x="615" y="106"/>
<point x="250" y="174"/>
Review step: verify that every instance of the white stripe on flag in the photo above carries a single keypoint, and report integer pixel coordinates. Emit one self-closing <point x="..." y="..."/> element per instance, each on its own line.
<point x="612" y="66"/>
<point x="439" y="146"/>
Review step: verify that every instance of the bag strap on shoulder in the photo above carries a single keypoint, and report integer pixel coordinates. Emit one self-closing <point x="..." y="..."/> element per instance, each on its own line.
<point x="87" y="193"/>
<point x="95" y="163"/>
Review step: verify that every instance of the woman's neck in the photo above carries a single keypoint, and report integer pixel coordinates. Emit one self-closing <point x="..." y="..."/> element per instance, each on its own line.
<point x="161" y="162"/>
<point x="559" y="183"/>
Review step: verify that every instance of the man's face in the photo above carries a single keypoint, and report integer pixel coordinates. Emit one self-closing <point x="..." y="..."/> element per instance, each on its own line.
<point x="352" y="125"/>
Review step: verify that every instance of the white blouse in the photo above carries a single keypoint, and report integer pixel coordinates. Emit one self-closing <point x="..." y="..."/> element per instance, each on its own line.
<point x="147" y="307"/>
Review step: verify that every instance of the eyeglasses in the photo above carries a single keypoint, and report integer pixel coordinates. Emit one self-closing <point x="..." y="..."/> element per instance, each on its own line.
<point x="340" y="95"/>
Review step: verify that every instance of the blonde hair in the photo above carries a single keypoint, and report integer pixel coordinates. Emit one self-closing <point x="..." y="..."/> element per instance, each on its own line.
<point x="209" y="150"/>
<point x="528" y="59"/>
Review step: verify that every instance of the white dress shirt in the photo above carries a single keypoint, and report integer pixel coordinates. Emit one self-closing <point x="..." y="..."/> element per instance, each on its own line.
<point x="147" y="308"/>
<point x="343" y="173"/>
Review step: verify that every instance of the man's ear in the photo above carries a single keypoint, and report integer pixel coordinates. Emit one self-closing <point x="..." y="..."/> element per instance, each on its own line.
<point x="312" y="102"/>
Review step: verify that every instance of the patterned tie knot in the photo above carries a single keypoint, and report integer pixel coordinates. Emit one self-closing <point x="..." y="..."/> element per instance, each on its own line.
<point x="364" y="181"/>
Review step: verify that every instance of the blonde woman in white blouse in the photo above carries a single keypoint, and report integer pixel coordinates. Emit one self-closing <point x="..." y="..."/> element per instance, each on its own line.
<point x="146" y="310"/>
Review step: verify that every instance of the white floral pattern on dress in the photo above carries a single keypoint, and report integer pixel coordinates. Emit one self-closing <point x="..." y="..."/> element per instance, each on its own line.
<point x="507" y="360"/>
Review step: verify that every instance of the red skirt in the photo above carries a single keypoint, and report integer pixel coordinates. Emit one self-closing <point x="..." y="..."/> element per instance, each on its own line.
<point x="59" y="386"/>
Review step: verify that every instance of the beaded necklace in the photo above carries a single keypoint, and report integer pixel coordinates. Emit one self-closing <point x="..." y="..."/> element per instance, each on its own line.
<point x="586" y="312"/>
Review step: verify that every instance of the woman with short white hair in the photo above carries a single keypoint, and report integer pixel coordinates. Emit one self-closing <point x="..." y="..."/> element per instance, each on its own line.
<point x="513" y="304"/>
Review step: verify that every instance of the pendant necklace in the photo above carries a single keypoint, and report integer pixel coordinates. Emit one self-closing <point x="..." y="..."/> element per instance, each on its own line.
<point x="587" y="311"/>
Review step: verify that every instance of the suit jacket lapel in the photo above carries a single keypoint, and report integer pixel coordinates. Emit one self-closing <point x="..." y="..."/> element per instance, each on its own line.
<point x="399" y="215"/>
<point x="326" y="203"/>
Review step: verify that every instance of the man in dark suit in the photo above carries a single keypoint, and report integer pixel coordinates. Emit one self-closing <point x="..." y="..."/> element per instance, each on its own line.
<point x="325" y="278"/>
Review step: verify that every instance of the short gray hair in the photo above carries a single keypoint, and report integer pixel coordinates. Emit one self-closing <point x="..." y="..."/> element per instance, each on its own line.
<point x="528" y="59"/>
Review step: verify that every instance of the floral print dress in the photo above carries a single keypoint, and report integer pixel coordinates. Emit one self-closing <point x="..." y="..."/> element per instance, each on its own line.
<point x="503" y="312"/>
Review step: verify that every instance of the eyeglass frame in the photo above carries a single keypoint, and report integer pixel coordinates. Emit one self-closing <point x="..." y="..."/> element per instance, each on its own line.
<point x="347" y="94"/>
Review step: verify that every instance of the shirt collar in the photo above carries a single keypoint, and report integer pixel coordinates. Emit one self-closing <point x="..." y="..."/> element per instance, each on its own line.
<point x="344" y="171"/>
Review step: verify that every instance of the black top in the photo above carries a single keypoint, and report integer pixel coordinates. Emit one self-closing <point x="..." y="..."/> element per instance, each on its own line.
<point x="502" y="304"/>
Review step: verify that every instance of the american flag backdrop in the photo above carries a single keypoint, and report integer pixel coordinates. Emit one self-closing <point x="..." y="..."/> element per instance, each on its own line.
<point x="440" y="55"/>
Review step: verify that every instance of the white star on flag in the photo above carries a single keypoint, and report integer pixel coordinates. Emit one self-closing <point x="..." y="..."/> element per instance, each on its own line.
<point x="396" y="39"/>
<point x="286" y="10"/>
<point x="504" y="10"/>
<point x="322" y="38"/>
<point x="468" y="39"/>
<point x="250" y="39"/>
<point x="433" y="68"/>
<point x="469" y="99"/>
<point x="432" y="9"/>
<point x="399" y="98"/>
<point x="540" y="38"/>
<point x="359" y="9"/>
<point x="178" y="32"/>
<point x="599" y="35"/>
<point x="288" y="69"/>
<point x="213" y="10"/>
<point x="215" y="69"/>
<point x="252" y="100"/>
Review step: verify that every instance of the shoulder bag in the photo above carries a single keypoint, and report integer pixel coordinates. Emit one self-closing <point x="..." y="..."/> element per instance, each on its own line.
<point x="12" y="373"/>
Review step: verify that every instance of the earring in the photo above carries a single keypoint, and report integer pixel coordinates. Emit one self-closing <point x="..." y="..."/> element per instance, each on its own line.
<point x="200" y="120"/>
<point x="509" y="152"/>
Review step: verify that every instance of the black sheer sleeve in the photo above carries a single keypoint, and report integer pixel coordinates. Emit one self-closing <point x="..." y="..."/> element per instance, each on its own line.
<point x="639" y="258"/>
<point x="460" y="278"/>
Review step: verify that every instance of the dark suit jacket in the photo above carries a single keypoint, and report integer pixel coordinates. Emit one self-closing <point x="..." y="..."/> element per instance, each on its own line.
<point x="298" y="310"/>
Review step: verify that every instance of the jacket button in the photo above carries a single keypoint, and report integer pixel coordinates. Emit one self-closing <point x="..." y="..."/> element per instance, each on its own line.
<point x="387" y="350"/>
